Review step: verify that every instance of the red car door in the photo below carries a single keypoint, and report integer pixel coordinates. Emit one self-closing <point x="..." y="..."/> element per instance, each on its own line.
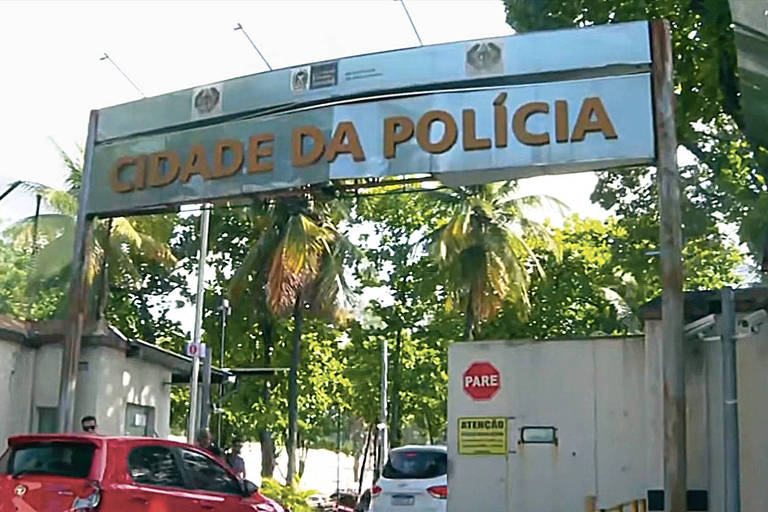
<point x="217" y="488"/>
<point x="154" y="482"/>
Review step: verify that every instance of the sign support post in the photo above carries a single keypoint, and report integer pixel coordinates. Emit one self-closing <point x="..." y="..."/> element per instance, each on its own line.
<point x="670" y="236"/>
<point x="205" y="220"/>
<point x="78" y="288"/>
<point x="384" y="423"/>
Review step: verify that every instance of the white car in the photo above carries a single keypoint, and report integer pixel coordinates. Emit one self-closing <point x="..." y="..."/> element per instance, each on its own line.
<point x="414" y="480"/>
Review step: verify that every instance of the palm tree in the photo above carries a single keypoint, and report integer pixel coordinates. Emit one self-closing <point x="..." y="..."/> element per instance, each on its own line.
<point x="485" y="248"/>
<point x="297" y="266"/>
<point x="119" y="243"/>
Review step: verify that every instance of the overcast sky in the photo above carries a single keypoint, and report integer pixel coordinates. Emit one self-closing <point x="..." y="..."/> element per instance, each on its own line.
<point x="53" y="75"/>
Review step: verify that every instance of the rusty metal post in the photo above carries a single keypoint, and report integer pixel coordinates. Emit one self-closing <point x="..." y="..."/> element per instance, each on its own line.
<point x="78" y="291"/>
<point x="670" y="236"/>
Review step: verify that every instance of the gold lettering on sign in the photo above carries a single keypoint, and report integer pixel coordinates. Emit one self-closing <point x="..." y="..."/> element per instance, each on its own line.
<point x="118" y="184"/>
<point x="260" y="146"/>
<point x="561" y="121"/>
<point x="225" y="147"/>
<point x="397" y="130"/>
<point x="298" y="158"/>
<point x="197" y="163"/>
<point x="585" y="124"/>
<point x="520" y="119"/>
<point x="345" y="131"/>
<point x="500" y="120"/>
<point x="158" y="177"/>
<point x="469" y="132"/>
<point x="450" y="132"/>
<point x="225" y="158"/>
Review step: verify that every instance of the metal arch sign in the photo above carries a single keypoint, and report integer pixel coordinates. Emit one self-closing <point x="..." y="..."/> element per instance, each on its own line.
<point x="470" y="112"/>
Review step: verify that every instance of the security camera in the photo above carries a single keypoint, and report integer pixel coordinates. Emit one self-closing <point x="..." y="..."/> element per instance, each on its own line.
<point x="700" y="327"/>
<point x="754" y="320"/>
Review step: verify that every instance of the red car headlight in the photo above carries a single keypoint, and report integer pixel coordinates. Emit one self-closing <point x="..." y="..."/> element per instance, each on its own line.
<point x="88" y="503"/>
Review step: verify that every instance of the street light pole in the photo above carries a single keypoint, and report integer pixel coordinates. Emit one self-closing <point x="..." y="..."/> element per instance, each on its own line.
<point x="205" y="220"/>
<point x="225" y="311"/>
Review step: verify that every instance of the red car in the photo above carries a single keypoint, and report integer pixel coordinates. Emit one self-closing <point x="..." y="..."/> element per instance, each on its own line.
<point x="85" y="473"/>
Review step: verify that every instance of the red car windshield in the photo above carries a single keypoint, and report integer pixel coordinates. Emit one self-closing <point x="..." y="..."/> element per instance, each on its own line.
<point x="60" y="459"/>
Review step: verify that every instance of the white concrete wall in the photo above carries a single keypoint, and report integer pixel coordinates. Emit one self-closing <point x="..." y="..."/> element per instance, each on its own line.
<point x="704" y="416"/>
<point x="16" y="370"/>
<point x="591" y="390"/>
<point x="47" y="375"/>
<point x="752" y="359"/>
<point x="619" y="419"/>
<point x="112" y="381"/>
<point x="703" y="389"/>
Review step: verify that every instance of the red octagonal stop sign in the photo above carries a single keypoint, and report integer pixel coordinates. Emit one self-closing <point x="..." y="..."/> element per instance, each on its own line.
<point x="481" y="380"/>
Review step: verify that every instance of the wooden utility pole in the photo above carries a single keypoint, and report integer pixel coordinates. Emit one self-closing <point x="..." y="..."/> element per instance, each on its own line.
<point x="78" y="292"/>
<point x="193" y="420"/>
<point x="670" y="236"/>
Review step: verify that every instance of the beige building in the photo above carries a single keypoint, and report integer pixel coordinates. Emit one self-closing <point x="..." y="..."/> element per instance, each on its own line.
<point x="124" y="383"/>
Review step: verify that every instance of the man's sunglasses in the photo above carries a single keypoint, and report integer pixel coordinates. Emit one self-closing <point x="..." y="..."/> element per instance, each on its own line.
<point x="88" y="428"/>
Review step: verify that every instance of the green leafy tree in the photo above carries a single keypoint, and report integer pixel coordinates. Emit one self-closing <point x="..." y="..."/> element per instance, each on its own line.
<point x="399" y="221"/>
<point x="732" y="172"/>
<point x="484" y="249"/>
<point x="126" y="245"/>
<point x="299" y="260"/>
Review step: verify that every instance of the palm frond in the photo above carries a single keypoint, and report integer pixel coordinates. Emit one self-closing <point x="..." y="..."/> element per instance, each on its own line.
<point x="255" y="262"/>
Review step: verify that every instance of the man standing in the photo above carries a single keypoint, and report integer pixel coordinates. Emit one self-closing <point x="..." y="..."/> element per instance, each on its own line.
<point x="88" y="423"/>
<point x="234" y="459"/>
<point x="205" y="442"/>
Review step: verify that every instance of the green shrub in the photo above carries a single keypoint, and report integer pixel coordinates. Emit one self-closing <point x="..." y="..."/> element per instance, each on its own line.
<point x="291" y="497"/>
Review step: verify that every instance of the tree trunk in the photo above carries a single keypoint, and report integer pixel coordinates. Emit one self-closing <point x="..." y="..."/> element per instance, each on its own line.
<point x="376" y="456"/>
<point x="101" y="301"/>
<point x="304" y="450"/>
<point x="293" y="391"/>
<point x="265" y="436"/>
<point x="365" y="459"/>
<point x="429" y="427"/>
<point x="469" y="327"/>
<point x="397" y="433"/>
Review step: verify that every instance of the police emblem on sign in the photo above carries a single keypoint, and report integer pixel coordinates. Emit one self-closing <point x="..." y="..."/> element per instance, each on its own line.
<point x="484" y="57"/>
<point x="206" y="101"/>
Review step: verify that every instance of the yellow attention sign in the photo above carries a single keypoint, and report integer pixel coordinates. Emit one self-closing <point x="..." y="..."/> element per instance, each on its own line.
<point x="483" y="436"/>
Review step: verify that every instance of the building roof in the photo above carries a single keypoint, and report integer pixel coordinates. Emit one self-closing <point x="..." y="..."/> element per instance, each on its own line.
<point x="706" y="302"/>
<point x="35" y="334"/>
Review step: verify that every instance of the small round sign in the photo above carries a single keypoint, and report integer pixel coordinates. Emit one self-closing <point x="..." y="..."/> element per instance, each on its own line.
<point x="20" y="490"/>
<point x="481" y="380"/>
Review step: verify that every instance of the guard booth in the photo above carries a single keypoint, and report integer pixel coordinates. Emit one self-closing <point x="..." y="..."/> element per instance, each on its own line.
<point x="575" y="423"/>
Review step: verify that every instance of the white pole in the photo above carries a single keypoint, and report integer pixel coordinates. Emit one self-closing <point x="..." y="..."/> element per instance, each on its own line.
<point x="730" y="401"/>
<point x="383" y="437"/>
<point x="193" y="384"/>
